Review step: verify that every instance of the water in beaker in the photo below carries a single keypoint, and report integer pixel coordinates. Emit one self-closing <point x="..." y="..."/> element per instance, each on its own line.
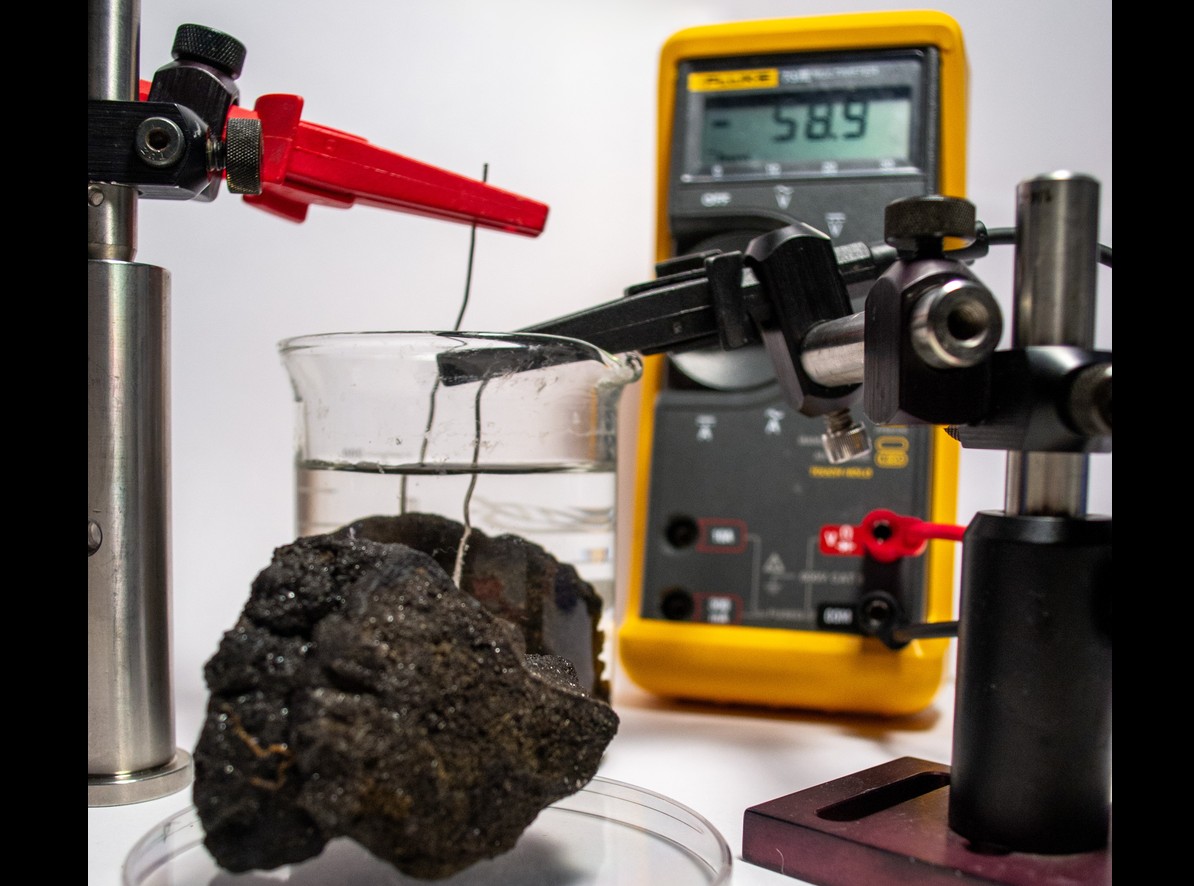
<point x="507" y="434"/>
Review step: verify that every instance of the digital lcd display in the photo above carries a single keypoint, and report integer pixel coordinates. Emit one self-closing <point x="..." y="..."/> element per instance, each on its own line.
<point x="793" y="128"/>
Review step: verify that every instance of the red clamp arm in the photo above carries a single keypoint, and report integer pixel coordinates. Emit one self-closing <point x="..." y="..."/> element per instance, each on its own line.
<point x="885" y="536"/>
<point x="305" y="163"/>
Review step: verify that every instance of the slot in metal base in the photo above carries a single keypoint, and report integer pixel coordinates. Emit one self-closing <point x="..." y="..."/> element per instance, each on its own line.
<point x="890" y="825"/>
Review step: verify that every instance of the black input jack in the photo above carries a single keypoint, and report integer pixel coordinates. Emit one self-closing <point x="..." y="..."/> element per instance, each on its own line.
<point x="681" y="532"/>
<point x="677" y="605"/>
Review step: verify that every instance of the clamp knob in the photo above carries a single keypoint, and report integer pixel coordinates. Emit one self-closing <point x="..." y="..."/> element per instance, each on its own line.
<point x="208" y="46"/>
<point x="920" y="224"/>
<point x="243" y="155"/>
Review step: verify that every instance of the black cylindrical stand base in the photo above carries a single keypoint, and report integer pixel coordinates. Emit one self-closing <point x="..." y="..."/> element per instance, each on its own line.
<point x="1031" y="767"/>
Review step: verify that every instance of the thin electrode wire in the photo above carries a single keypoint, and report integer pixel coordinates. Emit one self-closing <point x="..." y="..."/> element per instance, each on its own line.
<point x="423" y="448"/>
<point x="458" y="572"/>
<point x="468" y="282"/>
<point x="472" y="248"/>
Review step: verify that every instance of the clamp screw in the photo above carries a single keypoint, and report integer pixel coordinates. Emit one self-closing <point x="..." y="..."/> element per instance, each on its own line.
<point x="211" y="47"/>
<point x="919" y="224"/>
<point x="160" y="142"/>
<point x="844" y="439"/>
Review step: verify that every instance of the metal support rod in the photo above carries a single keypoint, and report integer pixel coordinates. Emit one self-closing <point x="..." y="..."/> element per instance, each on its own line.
<point x="130" y="710"/>
<point x="112" y="75"/>
<point x="833" y="353"/>
<point x="955" y="324"/>
<point x="1057" y="224"/>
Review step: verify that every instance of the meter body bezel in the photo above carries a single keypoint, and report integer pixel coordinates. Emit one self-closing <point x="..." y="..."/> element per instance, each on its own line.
<point x="773" y="666"/>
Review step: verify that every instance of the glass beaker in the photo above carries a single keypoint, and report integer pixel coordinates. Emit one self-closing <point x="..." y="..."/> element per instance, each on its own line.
<point x="507" y="434"/>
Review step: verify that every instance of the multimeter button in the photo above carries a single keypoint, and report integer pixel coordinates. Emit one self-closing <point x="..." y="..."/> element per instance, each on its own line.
<point x="681" y="532"/>
<point x="677" y="604"/>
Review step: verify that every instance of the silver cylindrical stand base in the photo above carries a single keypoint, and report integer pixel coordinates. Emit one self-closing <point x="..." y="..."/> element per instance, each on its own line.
<point x="138" y="787"/>
<point x="130" y="712"/>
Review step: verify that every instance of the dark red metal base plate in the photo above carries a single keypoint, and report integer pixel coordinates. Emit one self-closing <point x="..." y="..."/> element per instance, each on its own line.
<point x="890" y="825"/>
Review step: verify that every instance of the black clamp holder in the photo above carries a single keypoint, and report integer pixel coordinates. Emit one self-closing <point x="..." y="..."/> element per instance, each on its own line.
<point x="180" y="142"/>
<point x="932" y="324"/>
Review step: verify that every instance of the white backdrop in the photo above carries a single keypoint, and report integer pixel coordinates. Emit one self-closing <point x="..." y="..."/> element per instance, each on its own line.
<point x="558" y="98"/>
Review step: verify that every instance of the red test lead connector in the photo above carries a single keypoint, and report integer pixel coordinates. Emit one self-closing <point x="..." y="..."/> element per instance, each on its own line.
<point x="886" y="536"/>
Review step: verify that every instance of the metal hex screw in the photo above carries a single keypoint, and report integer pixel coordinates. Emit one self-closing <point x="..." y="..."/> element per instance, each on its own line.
<point x="159" y="142"/>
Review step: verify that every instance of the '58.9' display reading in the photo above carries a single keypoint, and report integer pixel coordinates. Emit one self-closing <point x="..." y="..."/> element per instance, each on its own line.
<point x="807" y="127"/>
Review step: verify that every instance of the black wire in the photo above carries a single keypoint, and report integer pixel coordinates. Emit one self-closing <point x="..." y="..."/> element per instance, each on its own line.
<point x="1004" y="236"/>
<point x="472" y="248"/>
<point x="932" y="630"/>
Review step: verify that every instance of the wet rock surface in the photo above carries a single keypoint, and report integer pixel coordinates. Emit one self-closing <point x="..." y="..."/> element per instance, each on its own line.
<point x="362" y="694"/>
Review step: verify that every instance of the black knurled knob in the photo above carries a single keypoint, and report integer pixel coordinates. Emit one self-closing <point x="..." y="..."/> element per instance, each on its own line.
<point x="243" y="149"/>
<point x="914" y="222"/>
<point x="209" y="46"/>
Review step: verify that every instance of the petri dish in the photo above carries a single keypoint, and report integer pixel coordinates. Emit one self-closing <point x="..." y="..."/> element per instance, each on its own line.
<point x="607" y="834"/>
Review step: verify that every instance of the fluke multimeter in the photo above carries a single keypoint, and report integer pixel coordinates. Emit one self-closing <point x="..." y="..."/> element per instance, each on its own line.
<point x="733" y="594"/>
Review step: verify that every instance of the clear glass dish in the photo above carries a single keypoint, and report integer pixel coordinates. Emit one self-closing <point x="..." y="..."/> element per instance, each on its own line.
<point x="607" y="834"/>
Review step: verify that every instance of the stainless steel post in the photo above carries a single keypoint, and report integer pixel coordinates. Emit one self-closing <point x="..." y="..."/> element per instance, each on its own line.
<point x="130" y="711"/>
<point x="1057" y="226"/>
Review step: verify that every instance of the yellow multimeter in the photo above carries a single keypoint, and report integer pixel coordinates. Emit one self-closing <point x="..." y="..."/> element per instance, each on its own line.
<point x="733" y="596"/>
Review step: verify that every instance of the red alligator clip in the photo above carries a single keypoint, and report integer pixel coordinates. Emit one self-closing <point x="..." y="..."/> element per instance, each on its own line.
<point x="305" y="163"/>
<point x="885" y="536"/>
